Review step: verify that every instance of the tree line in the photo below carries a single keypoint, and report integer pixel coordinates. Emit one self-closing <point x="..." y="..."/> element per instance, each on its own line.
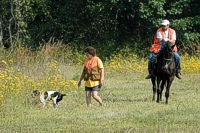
<point x="109" y="25"/>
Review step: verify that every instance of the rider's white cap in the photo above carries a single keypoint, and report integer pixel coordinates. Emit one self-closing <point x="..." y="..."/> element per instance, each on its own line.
<point x="165" y="22"/>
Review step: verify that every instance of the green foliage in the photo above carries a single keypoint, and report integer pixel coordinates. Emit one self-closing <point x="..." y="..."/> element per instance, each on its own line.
<point x="107" y="25"/>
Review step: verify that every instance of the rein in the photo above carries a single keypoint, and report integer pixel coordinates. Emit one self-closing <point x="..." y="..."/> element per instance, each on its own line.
<point x="168" y="59"/>
<point x="168" y="62"/>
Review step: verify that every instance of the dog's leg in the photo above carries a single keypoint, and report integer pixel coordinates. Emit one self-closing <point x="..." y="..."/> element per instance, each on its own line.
<point x="55" y="105"/>
<point x="44" y="104"/>
<point x="43" y="101"/>
<point x="54" y="99"/>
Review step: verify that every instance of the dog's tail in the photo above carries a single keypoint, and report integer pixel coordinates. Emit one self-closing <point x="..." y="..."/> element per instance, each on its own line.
<point x="66" y="94"/>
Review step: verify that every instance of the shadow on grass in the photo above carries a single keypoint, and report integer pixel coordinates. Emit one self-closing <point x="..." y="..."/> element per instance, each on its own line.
<point x="126" y="100"/>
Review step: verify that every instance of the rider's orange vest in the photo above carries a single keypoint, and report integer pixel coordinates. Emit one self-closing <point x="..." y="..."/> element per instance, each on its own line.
<point x="156" y="45"/>
<point x="91" y="70"/>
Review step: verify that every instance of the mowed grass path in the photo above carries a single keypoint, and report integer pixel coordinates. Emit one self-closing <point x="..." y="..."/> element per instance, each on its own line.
<point x="129" y="108"/>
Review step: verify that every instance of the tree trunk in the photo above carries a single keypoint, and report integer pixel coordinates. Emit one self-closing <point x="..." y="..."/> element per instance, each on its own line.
<point x="1" y="35"/>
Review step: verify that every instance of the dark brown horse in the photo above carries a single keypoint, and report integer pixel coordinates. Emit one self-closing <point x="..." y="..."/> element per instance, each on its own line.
<point x="164" y="72"/>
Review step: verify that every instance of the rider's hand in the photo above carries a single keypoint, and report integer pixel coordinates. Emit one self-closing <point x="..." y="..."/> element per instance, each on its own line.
<point x="165" y="39"/>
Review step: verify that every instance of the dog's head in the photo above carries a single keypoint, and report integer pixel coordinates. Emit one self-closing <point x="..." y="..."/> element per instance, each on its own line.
<point x="35" y="93"/>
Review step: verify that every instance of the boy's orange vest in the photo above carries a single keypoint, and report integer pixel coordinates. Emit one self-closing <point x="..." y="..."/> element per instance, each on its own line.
<point x="156" y="46"/>
<point x="91" y="70"/>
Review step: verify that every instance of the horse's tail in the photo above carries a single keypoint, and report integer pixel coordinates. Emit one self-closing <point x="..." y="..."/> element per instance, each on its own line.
<point x="66" y="94"/>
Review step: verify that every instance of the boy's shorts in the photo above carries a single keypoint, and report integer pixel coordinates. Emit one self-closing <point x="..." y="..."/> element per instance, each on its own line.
<point x="95" y="88"/>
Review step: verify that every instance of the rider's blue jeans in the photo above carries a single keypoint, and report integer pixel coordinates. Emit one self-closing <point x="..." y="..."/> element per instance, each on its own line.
<point x="178" y="61"/>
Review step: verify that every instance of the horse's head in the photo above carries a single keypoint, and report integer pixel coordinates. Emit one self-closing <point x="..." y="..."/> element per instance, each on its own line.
<point x="166" y="60"/>
<point x="168" y="49"/>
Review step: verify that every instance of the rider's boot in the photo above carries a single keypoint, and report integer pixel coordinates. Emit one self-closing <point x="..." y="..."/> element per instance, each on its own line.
<point x="178" y="74"/>
<point x="151" y="73"/>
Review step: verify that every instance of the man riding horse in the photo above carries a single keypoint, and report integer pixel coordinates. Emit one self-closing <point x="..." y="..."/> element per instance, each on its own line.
<point x="163" y="35"/>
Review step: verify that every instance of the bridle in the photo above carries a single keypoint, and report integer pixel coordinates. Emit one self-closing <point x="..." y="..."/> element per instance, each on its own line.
<point x="168" y="60"/>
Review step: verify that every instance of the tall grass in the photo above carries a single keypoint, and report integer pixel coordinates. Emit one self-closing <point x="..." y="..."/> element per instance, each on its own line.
<point x="126" y="93"/>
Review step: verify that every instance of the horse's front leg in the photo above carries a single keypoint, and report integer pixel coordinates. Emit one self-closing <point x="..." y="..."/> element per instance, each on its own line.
<point x="154" y="88"/>
<point x="169" y="82"/>
<point x="162" y="87"/>
<point x="158" y="89"/>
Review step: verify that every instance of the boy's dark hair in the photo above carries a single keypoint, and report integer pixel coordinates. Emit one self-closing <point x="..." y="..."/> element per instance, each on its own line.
<point x="90" y="50"/>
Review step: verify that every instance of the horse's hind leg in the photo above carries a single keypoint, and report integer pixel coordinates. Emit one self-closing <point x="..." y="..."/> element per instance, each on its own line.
<point x="154" y="88"/>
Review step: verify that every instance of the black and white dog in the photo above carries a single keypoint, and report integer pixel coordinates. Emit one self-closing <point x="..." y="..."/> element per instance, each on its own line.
<point x="55" y="96"/>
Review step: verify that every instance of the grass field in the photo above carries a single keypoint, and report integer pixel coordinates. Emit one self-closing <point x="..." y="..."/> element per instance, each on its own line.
<point x="128" y="109"/>
<point x="126" y="93"/>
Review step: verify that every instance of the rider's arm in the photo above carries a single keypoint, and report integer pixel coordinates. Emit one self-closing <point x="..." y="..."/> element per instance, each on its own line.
<point x="159" y="36"/>
<point x="173" y="40"/>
